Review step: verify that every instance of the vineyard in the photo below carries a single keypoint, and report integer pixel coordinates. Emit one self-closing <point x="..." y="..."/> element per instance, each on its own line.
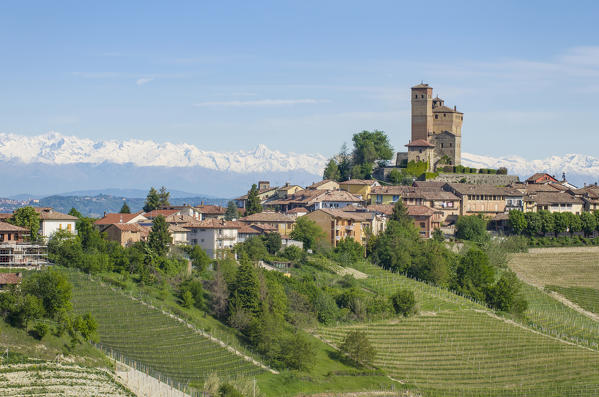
<point x="587" y="298"/>
<point x="52" y="379"/>
<point x="469" y="353"/>
<point x="147" y="335"/>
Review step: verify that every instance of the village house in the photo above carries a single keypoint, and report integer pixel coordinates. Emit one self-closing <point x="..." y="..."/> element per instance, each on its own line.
<point x="215" y="236"/>
<point x="425" y="219"/>
<point x="339" y="225"/>
<point x="160" y="212"/>
<point x="207" y="211"/>
<point x="486" y="200"/>
<point x="184" y="210"/>
<point x="514" y="200"/>
<point x="283" y="223"/>
<point x="9" y="279"/>
<point x="126" y="234"/>
<point x="178" y="234"/>
<point x="52" y="221"/>
<point x="589" y="195"/>
<point x="110" y="219"/>
<point x="12" y="234"/>
<point x="540" y="177"/>
<point x="554" y="202"/>
<point x="16" y="252"/>
<point x="265" y="191"/>
<point x="359" y="187"/>
<point x="288" y="190"/>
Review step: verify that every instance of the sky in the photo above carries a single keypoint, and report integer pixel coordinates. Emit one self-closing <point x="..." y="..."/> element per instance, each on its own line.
<point x="302" y="76"/>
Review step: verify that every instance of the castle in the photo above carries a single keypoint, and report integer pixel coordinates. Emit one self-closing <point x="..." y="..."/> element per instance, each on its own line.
<point x="436" y="130"/>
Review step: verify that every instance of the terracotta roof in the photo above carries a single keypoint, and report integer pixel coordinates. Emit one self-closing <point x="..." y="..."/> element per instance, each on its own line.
<point x="177" y="229"/>
<point x="7" y="227"/>
<point x="385" y="209"/>
<point x="178" y="218"/>
<point x="298" y="210"/>
<point x="10" y="278"/>
<point x="415" y="192"/>
<point x="422" y="85"/>
<point x="359" y="182"/>
<point x="154" y="213"/>
<point x="5" y="215"/>
<point x="302" y="197"/>
<point x="538" y="175"/>
<point x="549" y="198"/>
<point x="465" y="188"/>
<point x="261" y="191"/>
<point x="337" y="195"/>
<point x="248" y="229"/>
<point x="420" y="143"/>
<point x="263" y="228"/>
<point x="116" y="218"/>
<point x="51" y="215"/>
<point x="130" y="227"/>
<point x="358" y="216"/>
<point x="444" y="109"/>
<point x="268" y="217"/>
<point x="211" y="209"/>
<point x="318" y="184"/>
<point x="419" y="210"/>
<point x="212" y="223"/>
<point x="429" y="184"/>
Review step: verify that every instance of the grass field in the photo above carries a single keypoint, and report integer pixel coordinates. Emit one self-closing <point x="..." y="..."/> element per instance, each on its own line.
<point x="468" y="353"/>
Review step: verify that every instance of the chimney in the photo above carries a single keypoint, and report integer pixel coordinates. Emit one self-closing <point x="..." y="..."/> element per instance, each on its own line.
<point x="121" y="219"/>
<point x="454" y="107"/>
<point x="104" y="213"/>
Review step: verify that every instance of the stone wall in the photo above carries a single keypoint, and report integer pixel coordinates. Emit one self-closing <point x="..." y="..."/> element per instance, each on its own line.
<point x="479" y="179"/>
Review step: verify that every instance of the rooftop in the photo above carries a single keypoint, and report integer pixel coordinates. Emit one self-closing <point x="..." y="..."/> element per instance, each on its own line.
<point x="420" y="143"/>
<point x="212" y="223"/>
<point x="7" y="227"/>
<point x="117" y="218"/>
<point x="268" y="217"/>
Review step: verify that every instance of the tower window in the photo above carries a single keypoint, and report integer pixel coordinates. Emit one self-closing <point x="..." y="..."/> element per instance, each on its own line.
<point x="436" y="116"/>
<point x="444" y="115"/>
<point x="416" y="96"/>
<point x="441" y="146"/>
<point x="422" y="96"/>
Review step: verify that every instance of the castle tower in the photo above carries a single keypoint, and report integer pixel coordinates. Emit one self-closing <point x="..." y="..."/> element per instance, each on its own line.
<point x="422" y="112"/>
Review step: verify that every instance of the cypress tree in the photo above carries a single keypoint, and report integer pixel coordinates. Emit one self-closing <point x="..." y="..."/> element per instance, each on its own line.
<point x="163" y="197"/>
<point x="159" y="238"/>
<point x="152" y="200"/>
<point x="125" y="209"/>
<point x="253" y="202"/>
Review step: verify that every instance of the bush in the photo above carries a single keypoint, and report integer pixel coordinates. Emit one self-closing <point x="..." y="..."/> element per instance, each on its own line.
<point x="404" y="303"/>
<point x="472" y="227"/>
<point x="227" y="390"/>
<point x="358" y="348"/>
<point x="40" y="330"/>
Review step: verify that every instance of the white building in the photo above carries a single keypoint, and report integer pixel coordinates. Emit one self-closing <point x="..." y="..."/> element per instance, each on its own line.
<point x="52" y="221"/>
<point x="213" y="235"/>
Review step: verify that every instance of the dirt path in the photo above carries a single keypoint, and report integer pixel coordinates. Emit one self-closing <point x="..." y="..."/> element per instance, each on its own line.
<point x="574" y="306"/>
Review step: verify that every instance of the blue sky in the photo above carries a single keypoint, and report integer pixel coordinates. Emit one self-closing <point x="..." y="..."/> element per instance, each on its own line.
<point x="302" y="76"/>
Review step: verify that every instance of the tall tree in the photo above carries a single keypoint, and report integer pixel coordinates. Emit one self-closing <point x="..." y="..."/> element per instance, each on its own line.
<point x="371" y="146"/>
<point x="547" y="222"/>
<point x="253" y="205"/>
<point x="159" y="238"/>
<point x="232" y="211"/>
<point x="517" y="221"/>
<point x="152" y="200"/>
<point x="245" y="291"/>
<point x="331" y="171"/>
<point x="358" y="348"/>
<point x="125" y="209"/>
<point x="307" y="231"/>
<point x="75" y="213"/>
<point x="163" y="196"/>
<point x="473" y="274"/>
<point x="27" y="217"/>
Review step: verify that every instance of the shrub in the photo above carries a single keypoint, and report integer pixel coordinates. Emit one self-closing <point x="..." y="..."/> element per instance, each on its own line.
<point x="403" y="302"/>
<point x="472" y="227"/>
<point x="358" y="348"/>
<point x="40" y="330"/>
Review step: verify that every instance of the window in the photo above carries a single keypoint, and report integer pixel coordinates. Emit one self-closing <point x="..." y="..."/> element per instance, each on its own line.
<point x="422" y="225"/>
<point x="451" y="144"/>
<point x="436" y="116"/>
<point x="416" y="96"/>
<point x="441" y="145"/>
<point x="69" y="227"/>
<point x="422" y="96"/>
<point x="395" y="197"/>
<point x="444" y="114"/>
<point x="419" y="150"/>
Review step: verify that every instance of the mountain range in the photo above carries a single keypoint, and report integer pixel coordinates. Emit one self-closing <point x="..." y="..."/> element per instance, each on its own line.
<point x="52" y="163"/>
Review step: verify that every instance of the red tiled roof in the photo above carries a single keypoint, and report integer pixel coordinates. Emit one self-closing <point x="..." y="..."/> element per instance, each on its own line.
<point x="212" y="223"/>
<point x="318" y="184"/>
<point x="420" y="143"/>
<point x="386" y="209"/>
<point x="297" y="210"/>
<point x="109" y="219"/>
<point x="7" y="227"/>
<point x="10" y="278"/>
<point x="267" y="217"/>
<point x="5" y="215"/>
<point x="358" y="182"/>
<point x="48" y="214"/>
<point x="419" y="210"/>
<point x="154" y="213"/>
<point x="211" y="209"/>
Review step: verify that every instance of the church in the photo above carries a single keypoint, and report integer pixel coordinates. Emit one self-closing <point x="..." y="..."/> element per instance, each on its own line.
<point x="436" y="130"/>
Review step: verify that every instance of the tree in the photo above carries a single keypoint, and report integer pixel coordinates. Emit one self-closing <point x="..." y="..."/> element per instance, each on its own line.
<point x="517" y="221"/>
<point x="51" y="288"/>
<point x="272" y="242"/>
<point x="163" y="197"/>
<point x="504" y="294"/>
<point x="561" y="223"/>
<point x="331" y="171"/>
<point x="472" y="227"/>
<point x="199" y="258"/>
<point x="501" y="171"/>
<point x="253" y="205"/>
<point x="187" y="299"/>
<point x="438" y="236"/>
<point x="547" y="222"/>
<point x="75" y="213"/>
<point x="159" y="238"/>
<point x="589" y="223"/>
<point x="574" y="222"/>
<point x="27" y="217"/>
<point x="349" y="251"/>
<point x="533" y="223"/>
<point x="152" y="200"/>
<point x="403" y="302"/>
<point x="307" y="231"/>
<point x="358" y="348"/>
<point x="232" y="211"/>
<point x="125" y="209"/>
<point x="297" y="352"/>
<point x="371" y="146"/>
<point x="245" y="291"/>
<point x="473" y="274"/>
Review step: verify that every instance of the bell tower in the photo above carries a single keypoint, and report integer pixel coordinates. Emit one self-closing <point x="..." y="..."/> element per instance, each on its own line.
<point x="422" y="111"/>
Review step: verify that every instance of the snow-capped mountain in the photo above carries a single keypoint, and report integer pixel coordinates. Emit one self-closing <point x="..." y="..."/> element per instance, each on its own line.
<point x="56" y="149"/>
<point x="578" y="168"/>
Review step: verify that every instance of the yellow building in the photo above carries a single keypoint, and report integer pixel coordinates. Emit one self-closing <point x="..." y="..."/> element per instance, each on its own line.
<point x="359" y="187"/>
<point x="339" y="225"/>
<point x="283" y="223"/>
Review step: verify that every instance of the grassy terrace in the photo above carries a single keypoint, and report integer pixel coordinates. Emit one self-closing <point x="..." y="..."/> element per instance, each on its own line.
<point x="465" y="353"/>
<point x="587" y="298"/>
<point x="147" y="335"/>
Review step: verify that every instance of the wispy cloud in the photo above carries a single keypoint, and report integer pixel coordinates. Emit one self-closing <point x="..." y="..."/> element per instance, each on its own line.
<point x="144" y="80"/>
<point x="261" y="102"/>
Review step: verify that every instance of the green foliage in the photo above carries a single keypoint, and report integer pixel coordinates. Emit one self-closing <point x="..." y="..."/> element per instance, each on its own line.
<point x="125" y="208"/>
<point x="253" y="248"/>
<point x="404" y="302"/>
<point x="348" y="251"/>
<point x="293" y="253"/>
<point x="517" y="221"/>
<point x="501" y="171"/>
<point x="331" y="171"/>
<point x="358" y="348"/>
<point x="272" y="242"/>
<point x="253" y="205"/>
<point x="159" y="238"/>
<point x="472" y="227"/>
<point x="163" y="196"/>
<point x="533" y="223"/>
<point x="227" y="390"/>
<point x="51" y="288"/>
<point x="308" y="232"/>
<point x="297" y="352"/>
<point x="192" y="293"/>
<point x="152" y="200"/>
<point x="199" y="258"/>
<point x="187" y="299"/>
<point x="473" y="275"/>
<point x="547" y="222"/>
<point x="41" y="330"/>
<point x="561" y="222"/>
<point x="244" y="297"/>
<point x="504" y="294"/>
<point x="75" y="213"/>
<point x="589" y="223"/>
<point x="232" y="211"/>
<point x="438" y="236"/>
<point x="27" y="217"/>
<point x="416" y="168"/>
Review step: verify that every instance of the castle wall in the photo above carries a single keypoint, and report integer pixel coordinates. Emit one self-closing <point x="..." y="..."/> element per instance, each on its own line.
<point x="478" y="179"/>
<point x="451" y="122"/>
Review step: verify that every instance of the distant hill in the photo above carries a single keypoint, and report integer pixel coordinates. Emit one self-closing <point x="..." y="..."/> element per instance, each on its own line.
<point x="95" y="206"/>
